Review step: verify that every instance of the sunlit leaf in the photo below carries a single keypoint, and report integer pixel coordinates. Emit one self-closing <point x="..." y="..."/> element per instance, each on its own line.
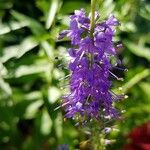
<point x="32" y="69"/>
<point x="34" y="25"/>
<point x="58" y="125"/>
<point x="48" y="49"/>
<point x="103" y="5"/>
<point x="16" y="51"/>
<point x="51" y="13"/>
<point x="53" y="94"/>
<point x="5" y="86"/>
<point x="136" y="79"/>
<point x="6" y="28"/>
<point x="138" y="50"/>
<point x="3" y="70"/>
<point x="46" y="123"/>
<point x="34" y="95"/>
<point x="32" y="109"/>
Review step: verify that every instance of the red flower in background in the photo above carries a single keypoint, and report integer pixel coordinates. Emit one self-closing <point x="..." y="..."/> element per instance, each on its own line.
<point x="140" y="138"/>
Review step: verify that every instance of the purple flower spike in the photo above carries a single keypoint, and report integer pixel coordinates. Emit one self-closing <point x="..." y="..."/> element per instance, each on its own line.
<point x="90" y="94"/>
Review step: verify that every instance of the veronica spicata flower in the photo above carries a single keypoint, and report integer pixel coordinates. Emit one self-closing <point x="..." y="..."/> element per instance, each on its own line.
<point x="90" y="95"/>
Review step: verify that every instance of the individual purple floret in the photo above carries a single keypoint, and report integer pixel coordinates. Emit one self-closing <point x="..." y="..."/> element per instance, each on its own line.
<point x="90" y="94"/>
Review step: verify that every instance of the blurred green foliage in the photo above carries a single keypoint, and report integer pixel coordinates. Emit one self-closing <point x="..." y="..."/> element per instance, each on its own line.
<point x="29" y="75"/>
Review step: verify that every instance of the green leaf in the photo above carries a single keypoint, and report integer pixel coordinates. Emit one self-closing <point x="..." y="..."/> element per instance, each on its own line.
<point x="34" y="25"/>
<point x="5" y="87"/>
<point x="103" y="8"/>
<point x="145" y="87"/>
<point x="58" y="125"/>
<point x="48" y="49"/>
<point x="34" y="95"/>
<point x="5" y="4"/>
<point x="31" y="69"/>
<point x="70" y="6"/>
<point x="12" y="26"/>
<point x="3" y="70"/>
<point x="46" y="123"/>
<point x="6" y="114"/>
<point x="27" y="44"/>
<point x="145" y="12"/>
<point x="32" y="109"/>
<point x="137" y="78"/>
<point x="20" y="108"/>
<point x="51" y="13"/>
<point x="53" y="94"/>
<point x="138" y="50"/>
<point x="17" y="51"/>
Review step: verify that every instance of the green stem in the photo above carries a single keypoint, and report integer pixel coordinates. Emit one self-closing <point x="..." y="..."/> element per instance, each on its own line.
<point x="92" y="23"/>
<point x="98" y="138"/>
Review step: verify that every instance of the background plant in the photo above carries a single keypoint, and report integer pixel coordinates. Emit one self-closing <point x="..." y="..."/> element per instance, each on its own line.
<point x="29" y="71"/>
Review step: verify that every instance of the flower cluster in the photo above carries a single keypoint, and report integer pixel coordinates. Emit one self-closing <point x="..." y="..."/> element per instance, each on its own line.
<point x="90" y="95"/>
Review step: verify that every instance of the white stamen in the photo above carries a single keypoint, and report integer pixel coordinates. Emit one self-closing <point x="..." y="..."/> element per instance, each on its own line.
<point x="121" y="79"/>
